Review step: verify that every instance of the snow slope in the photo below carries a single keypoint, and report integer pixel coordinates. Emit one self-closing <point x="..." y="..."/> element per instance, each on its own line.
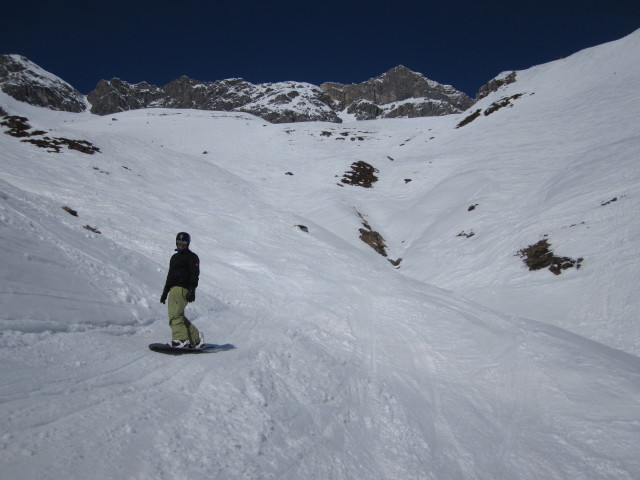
<point x="460" y="364"/>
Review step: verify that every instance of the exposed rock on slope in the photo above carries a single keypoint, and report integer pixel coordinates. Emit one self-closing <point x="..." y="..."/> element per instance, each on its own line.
<point x="27" y="82"/>
<point x="505" y="78"/>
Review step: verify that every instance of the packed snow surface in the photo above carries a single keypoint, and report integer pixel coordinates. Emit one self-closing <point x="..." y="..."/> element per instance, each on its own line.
<point x="459" y="364"/>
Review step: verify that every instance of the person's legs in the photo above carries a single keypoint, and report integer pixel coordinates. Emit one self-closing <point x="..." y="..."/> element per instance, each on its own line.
<point x="181" y="328"/>
<point x="194" y="333"/>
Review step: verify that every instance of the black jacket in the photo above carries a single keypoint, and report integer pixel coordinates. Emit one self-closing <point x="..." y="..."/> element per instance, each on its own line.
<point x="184" y="270"/>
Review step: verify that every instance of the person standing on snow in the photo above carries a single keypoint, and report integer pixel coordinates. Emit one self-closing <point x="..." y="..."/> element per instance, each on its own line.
<point x="180" y="289"/>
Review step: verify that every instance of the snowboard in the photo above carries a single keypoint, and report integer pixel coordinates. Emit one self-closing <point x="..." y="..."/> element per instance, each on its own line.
<point x="169" y="350"/>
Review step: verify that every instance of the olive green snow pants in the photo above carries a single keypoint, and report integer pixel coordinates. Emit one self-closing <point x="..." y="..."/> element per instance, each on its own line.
<point x="181" y="328"/>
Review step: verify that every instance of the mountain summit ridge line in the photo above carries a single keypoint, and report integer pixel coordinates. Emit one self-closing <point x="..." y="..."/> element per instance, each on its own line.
<point x="399" y="92"/>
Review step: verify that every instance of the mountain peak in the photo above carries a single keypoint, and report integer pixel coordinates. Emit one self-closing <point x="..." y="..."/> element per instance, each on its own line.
<point x="399" y="84"/>
<point x="25" y="81"/>
<point x="402" y="70"/>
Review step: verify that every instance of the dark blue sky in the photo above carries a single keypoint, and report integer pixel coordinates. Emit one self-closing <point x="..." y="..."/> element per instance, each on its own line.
<point x="464" y="43"/>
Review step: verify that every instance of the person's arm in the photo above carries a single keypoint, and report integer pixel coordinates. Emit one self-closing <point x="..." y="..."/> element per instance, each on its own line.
<point x="194" y="275"/>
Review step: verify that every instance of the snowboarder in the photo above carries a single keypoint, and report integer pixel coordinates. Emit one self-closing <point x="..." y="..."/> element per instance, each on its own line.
<point x="180" y="289"/>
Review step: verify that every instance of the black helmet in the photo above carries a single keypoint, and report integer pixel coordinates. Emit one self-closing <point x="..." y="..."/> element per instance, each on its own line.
<point x="183" y="237"/>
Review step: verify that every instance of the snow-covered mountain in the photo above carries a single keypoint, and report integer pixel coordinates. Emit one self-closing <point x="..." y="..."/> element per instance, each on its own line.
<point x="27" y="82"/>
<point x="281" y="102"/>
<point x="437" y="354"/>
<point x="397" y="93"/>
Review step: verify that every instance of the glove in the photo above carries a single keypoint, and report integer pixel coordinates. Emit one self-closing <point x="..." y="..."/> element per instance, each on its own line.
<point x="163" y="298"/>
<point x="191" y="295"/>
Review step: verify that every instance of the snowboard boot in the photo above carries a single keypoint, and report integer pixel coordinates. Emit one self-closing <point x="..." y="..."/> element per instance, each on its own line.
<point x="180" y="343"/>
<point x="200" y="344"/>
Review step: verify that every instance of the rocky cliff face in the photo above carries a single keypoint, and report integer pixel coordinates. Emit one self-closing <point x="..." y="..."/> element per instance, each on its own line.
<point x="27" y="82"/>
<point x="397" y="93"/>
<point x="275" y="102"/>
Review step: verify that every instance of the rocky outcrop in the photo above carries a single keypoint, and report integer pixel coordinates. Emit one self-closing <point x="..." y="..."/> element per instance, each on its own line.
<point x="397" y="93"/>
<point x="119" y="96"/>
<point x="27" y="82"/>
<point x="496" y="83"/>
<point x="364" y="110"/>
<point x="275" y="102"/>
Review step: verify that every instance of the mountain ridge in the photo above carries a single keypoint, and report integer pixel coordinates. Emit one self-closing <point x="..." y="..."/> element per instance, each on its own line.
<point x="397" y="93"/>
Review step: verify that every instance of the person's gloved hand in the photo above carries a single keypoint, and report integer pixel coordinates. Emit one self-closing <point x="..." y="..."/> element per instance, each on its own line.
<point x="163" y="298"/>
<point x="191" y="295"/>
